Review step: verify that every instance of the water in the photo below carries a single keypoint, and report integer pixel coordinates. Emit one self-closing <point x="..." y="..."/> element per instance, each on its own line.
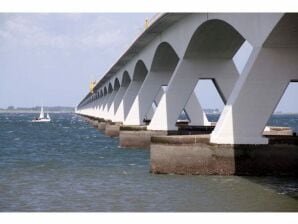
<point x="66" y="165"/>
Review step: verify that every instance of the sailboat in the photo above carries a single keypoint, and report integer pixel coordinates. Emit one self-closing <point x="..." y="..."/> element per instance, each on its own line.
<point x="41" y="117"/>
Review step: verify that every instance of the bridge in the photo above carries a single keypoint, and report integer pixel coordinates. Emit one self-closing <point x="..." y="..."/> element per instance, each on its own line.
<point x="154" y="80"/>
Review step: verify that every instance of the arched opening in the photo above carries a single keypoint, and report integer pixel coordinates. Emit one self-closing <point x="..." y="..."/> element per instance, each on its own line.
<point x="214" y="39"/>
<point x="125" y="79"/>
<point x="213" y="43"/>
<point x="140" y="72"/>
<point x="138" y="77"/>
<point x="274" y="66"/>
<point x="284" y="119"/>
<point x="209" y="55"/>
<point x="163" y="65"/>
<point x="121" y="97"/>
<point x="116" y="84"/>
<point x="110" y="88"/>
<point x="209" y="98"/>
<point x="165" y="59"/>
<point x="112" y="97"/>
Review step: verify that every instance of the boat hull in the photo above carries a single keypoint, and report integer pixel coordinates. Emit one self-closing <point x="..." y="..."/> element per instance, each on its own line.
<point x="41" y="120"/>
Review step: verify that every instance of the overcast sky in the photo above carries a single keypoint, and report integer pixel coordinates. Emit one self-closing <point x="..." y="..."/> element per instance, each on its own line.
<point x="51" y="58"/>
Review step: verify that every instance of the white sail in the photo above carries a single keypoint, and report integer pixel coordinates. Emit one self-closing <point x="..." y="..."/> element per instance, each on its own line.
<point x="48" y="116"/>
<point x="41" y="115"/>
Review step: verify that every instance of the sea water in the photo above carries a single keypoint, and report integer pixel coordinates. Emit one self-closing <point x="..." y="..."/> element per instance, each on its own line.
<point x="67" y="165"/>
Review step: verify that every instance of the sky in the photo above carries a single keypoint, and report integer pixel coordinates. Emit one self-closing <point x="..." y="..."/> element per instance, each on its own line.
<point x="50" y="58"/>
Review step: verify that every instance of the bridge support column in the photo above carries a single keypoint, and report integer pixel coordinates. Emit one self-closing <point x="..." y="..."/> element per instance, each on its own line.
<point x="150" y="91"/>
<point x="145" y="97"/>
<point x="127" y="100"/>
<point x="105" y="108"/>
<point x="183" y="82"/>
<point x="102" y="106"/>
<point x="95" y="108"/>
<point x="116" y="104"/>
<point x="195" y="155"/>
<point x="256" y="95"/>
<point x="109" y="108"/>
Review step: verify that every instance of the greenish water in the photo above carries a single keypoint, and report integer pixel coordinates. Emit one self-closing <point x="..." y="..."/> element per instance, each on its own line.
<point x="66" y="165"/>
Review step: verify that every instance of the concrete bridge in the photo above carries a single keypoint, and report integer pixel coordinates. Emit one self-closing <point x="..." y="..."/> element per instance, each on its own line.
<point x="154" y="81"/>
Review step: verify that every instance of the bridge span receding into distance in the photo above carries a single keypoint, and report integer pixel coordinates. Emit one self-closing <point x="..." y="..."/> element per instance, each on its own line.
<point x="142" y="95"/>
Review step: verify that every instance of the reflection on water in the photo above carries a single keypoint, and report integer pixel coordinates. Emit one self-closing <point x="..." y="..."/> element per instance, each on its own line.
<point x="66" y="165"/>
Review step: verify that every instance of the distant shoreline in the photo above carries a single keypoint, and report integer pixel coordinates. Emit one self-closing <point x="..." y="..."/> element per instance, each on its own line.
<point x="32" y="112"/>
<point x="47" y="109"/>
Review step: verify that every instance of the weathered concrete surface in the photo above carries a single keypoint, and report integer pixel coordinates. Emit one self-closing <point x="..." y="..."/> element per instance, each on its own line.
<point x="101" y="126"/>
<point x="91" y="121"/>
<point x="271" y="130"/>
<point x="136" y="136"/>
<point x="112" y="129"/>
<point x="196" y="155"/>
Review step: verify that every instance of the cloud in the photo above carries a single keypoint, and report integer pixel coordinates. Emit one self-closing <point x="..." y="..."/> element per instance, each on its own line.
<point x="64" y="31"/>
<point x="22" y="30"/>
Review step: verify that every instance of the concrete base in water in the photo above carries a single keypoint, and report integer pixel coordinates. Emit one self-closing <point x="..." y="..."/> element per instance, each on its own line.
<point x="273" y="130"/>
<point x="140" y="137"/>
<point x="112" y="129"/>
<point x="194" y="154"/>
<point x="101" y="126"/>
<point x="137" y="136"/>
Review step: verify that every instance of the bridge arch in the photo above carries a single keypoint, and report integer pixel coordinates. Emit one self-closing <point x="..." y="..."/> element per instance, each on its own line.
<point x="165" y="58"/>
<point x="140" y="71"/>
<point x="121" y="97"/>
<point x="105" y="91"/>
<point x="125" y="80"/>
<point x="214" y="39"/>
<point x="110" y="87"/>
<point x="208" y="55"/>
<point x="116" y="84"/>
<point x="274" y="66"/>
<point x="163" y="64"/>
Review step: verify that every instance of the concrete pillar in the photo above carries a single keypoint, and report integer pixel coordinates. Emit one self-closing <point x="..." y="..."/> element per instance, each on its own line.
<point x="119" y="114"/>
<point x="256" y="95"/>
<point x="110" y="109"/>
<point x="152" y="90"/>
<point x="105" y="106"/>
<point x="116" y="103"/>
<point x="145" y="97"/>
<point x="156" y="101"/>
<point x="128" y="99"/>
<point x="183" y="82"/>
<point x="102" y="106"/>
<point x="96" y="104"/>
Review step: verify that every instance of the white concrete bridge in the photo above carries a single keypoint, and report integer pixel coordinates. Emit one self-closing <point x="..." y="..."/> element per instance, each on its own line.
<point x="163" y="65"/>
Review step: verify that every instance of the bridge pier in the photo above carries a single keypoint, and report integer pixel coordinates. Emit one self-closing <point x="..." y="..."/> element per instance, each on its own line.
<point x="179" y="50"/>
<point x="135" y="136"/>
<point x="112" y="129"/>
<point x="194" y="154"/>
<point x="256" y="95"/>
<point x="187" y="73"/>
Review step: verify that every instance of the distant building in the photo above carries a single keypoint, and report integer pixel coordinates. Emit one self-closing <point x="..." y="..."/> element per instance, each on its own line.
<point x="212" y="111"/>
